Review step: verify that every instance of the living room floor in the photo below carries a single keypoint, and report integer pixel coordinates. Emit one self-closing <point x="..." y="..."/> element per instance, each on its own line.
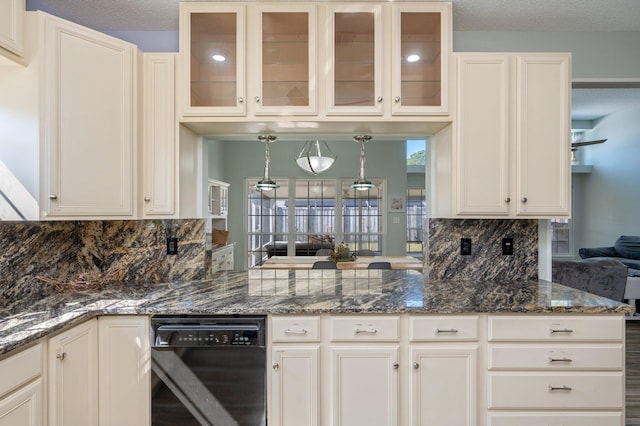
<point x="633" y="373"/>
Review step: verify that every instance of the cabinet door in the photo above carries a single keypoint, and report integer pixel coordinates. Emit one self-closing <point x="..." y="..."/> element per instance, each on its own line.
<point x="11" y="25"/>
<point x="212" y="52"/>
<point x="284" y="46"/>
<point x="443" y="385"/>
<point x="73" y="376"/>
<point x="364" y="385"/>
<point x="355" y="55"/>
<point x="543" y="135"/>
<point x="295" y="386"/>
<point x="124" y="381"/>
<point x="89" y="127"/>
<point x="23" y="407"/>
<point x="421" y="50"/>
<point x="159" y="149"/>
<point x="482" y="141"/>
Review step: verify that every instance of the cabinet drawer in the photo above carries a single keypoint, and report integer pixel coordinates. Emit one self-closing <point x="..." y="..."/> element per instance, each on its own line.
<point x="555" y="419"/>
<point x="428" y="328"/>
<point x="295" y="329"/>
<point x="556" y="327"/>
<point x="557" y="390"/>
<point x="20" y="368"/>
<point x="365" y="328"/>
<point x="556" y="357"/>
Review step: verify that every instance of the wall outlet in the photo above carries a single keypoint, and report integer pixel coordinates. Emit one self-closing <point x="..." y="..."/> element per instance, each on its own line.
<point x="507" y="246"/>
<point x="172" y="245"/>
<point x="465" y="246"/>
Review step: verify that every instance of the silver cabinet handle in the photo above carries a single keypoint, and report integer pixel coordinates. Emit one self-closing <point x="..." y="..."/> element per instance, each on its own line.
<point x="451" y="330"/>
<point x="61" y="356"/>
<point x="240" y="100"/>
<point x="147" y="199"/>
<point x="397" y="99"/>
<point x="53" y="197"/>
<point x="524" y="199"/>
<point x="507" y="200"/>
<point x="560" y="388"/>
<point x="416" y="365"/>
<point x="276" y="366"/>
<point x="370" y="331"/>
<point x="257" y="98"/>
<point x="560" y="330"/>
<point x="395" y="365"/>
<point x="379" y="99"/>
<point x="301" y="331"/>
<point x="560" y="360"/>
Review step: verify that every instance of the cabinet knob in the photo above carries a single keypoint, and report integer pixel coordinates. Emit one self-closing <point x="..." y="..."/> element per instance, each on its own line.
<point x="147" y="199"/>
<point x="524" y="199"/>
<point x="61" y="356"/>
<point x="507" y="200"/>
<point x="240" y="100"/>
<point x="397" y="99"/>
<point x="395" y="365"/>
<point x="379" y="99"/>
<point x="276" y="366"/>
<point x="416" y="365"/>
<point x="53" y="197"/>
<point x="257" y="98"/>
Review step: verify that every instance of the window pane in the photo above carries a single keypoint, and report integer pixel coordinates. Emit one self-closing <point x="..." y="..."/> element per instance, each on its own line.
<point x="415" y="216"/>
<point x="267" y="223"/>
<point x="362" y="217"/>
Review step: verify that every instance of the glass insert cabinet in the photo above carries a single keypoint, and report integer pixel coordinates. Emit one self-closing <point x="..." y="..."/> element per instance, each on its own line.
<point x="252" y="59"/>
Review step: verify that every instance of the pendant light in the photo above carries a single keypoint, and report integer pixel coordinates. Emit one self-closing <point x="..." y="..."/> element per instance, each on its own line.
<point x="314" y="161"/>
<point x="362" y="184"/>
<point x="266" y="183"/>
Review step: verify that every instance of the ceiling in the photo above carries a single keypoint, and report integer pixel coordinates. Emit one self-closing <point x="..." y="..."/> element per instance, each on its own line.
<point x="468" y="15"/>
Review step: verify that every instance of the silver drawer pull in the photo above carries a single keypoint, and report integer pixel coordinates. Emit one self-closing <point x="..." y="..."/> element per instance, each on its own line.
<point x="451" y="330"/>
<point x="370" y="331"/>
<point x="61" y="356"/>
<point x="562" y="330"/>
<point x="301" y="331"/>
<point x="560" y="360"/>
<point x="560" y="388"/>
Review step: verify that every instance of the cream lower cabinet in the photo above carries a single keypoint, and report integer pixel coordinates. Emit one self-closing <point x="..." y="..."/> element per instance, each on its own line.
<point x="511" y="144"/>
<point x="21" y="388"/>
<point x="556" y="370"/>
<point x="98" y="373"/>
<point x="73" y="376"/>
<point x="123" y="371"/>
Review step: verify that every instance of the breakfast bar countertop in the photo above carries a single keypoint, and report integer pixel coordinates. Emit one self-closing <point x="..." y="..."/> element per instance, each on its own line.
<point x="302" y="291"/>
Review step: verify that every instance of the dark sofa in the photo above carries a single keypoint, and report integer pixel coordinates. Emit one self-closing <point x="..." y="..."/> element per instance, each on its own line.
<point x="604" y="277"/>
<point x="626" y="250"/>
<point x="302" y="249"/>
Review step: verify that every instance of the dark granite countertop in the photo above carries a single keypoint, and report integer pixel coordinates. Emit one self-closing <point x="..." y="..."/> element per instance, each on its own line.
<point x="293" y="292"/>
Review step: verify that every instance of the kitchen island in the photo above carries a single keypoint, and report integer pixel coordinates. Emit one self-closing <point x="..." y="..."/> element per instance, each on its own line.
<point x="372" y="346"/>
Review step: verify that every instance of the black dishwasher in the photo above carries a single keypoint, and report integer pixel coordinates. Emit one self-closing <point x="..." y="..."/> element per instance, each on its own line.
<point x="208" y="370"/>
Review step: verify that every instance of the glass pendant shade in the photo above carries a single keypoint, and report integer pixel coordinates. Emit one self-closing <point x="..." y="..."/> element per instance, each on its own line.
<point x="312" y="160"/>
<point x="362" y="184"/>
<point x="266" y="183"/>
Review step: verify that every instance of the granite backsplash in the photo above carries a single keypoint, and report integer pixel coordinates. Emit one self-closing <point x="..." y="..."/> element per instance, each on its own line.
<point x="443" y="260"/>
<point x="37" y="256"/>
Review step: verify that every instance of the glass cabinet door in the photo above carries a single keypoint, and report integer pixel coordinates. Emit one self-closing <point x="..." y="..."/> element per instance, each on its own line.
<point x="421" y="50"/>
<point x="286" y="39"/>
<point x="213" y="42"/>
<point x="354" y="83"/>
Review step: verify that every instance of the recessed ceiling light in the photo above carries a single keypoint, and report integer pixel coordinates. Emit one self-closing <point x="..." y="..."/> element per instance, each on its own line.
<point x="413" y="58"/>
<point x="219" y="58"/>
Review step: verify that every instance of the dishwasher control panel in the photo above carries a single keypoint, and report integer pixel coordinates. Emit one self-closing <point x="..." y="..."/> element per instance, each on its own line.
<point x="196" y="332"/>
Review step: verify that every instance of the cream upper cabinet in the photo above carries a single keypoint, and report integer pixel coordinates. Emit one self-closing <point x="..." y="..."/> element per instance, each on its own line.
<point x="355" y="54"/>
<point x="511" y="145"/>
<point x="212" y="51"/>
<point x="89" y="134"/>
<point x="421" y="36"/>
<point x="282" y="60"/>
<point x="11" y="28"/>
<point x="159" y="188"/>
